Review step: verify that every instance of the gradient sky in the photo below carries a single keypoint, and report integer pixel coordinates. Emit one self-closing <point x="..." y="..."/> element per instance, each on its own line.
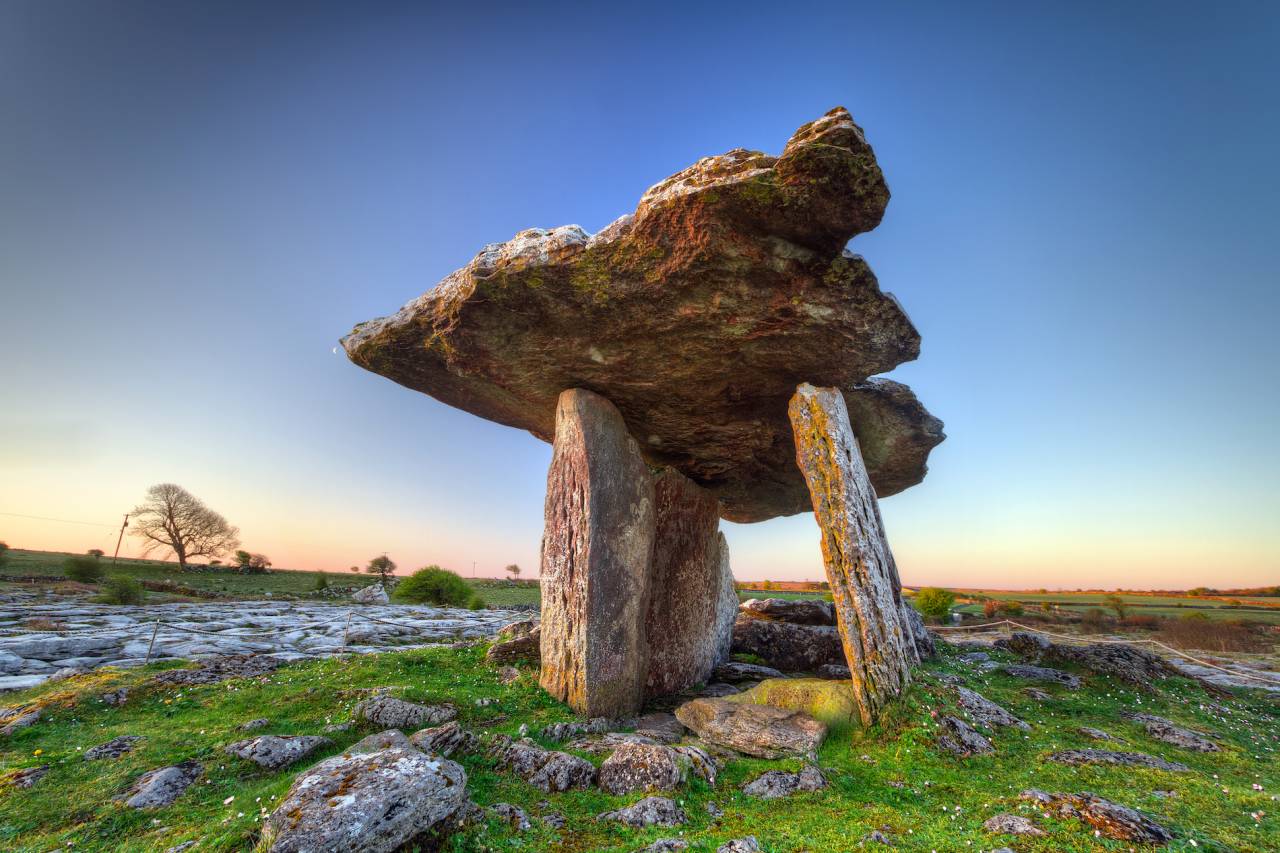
<point x="198" y="199"/>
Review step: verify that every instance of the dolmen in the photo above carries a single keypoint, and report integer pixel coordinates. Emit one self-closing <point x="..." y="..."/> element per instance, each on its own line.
<point x="712" y="355"/>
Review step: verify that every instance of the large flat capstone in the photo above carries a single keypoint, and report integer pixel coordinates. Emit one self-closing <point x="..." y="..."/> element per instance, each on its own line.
<point x="696" y="316"/>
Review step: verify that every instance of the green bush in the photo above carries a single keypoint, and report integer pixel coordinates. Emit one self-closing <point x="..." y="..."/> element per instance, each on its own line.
<point x="82" y="569"/>
<point x="476" y="603"/>
<point x="4" y="553"/>
<point x="434" y="585"/>
<point x="934" y="603"/>
<point x="122" y="589"/>
<point x="1011" y="608"/>
<point x="322" y="582"/>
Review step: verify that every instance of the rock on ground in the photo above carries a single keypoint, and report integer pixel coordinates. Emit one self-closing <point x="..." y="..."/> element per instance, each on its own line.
<point x="640" y="767"/>
<point x="1122" y="660"/>
<point x="666" y="845"/>
<point x="834" y="672"/>
<point x="390" y="739"/>
<point x="758" y="730"/>
<point x="1119" y="759"/>
<point x="877" y="640"/>
<point x="597" y="549"/>
<point x="834" y="703"/>
<point x="1011" y="824"/>
<point x="791" y="648"/>
<point x="28" y="776"/>
<point x="1040" y="673"/>
<point x="375" y="803"/>
<point x="696" y="316"/>
<point x="661" y="726"/>
<point x="959" y="738"/>
<point x="1094" y="734"/>
<point x="254" y="725"/>
<point x="542" y="768"/>
<point x="778" y="783"/>
<point x="1110" y="819"/>
<point x="651" y="811"/>
<point x="13" y="719"/>
<point x="521" y="648"/>
<point x="113" y="748"/>
<point x="747" y="844"/>
<point x="373" y="594"/>
<point x="986" y="713"/>
<point x="513" y="816"/>
<point x="1169" y="732"/>
<point x="276" y="751"/>
<point x="444" y="740"/>
<point x="219" y="669"/>
<point x="157" y="788"/>
<point x="797" y="611"/>
<point x="392" y="713"/>
<point x="733" y="671"/>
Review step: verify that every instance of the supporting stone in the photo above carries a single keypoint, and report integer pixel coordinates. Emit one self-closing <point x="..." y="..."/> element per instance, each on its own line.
<point x="597" y="550"/>
<point x="692" y="602"/>
<point x="864" y="580"/>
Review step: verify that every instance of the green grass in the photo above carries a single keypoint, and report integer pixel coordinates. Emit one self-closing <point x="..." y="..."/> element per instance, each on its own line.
<point x="940" y="806"/>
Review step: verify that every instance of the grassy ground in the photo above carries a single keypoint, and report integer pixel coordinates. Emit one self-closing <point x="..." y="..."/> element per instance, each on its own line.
<point x="940" y="804"/>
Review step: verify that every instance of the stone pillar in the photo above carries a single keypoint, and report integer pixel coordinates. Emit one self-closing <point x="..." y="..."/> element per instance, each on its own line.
<point x="692" y="602"/>
<point x="597" y="550"/>
<point x="877" y="640"/>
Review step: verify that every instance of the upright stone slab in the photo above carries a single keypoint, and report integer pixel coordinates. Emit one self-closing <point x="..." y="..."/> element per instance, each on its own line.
<point x="864" y="579"/>
<point x="692" y="602"/>
<point x="597" y="548"/>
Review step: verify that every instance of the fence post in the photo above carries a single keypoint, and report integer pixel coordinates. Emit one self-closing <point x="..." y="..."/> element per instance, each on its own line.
<point x="346" y="629"/>
<point x="152" y="644"/>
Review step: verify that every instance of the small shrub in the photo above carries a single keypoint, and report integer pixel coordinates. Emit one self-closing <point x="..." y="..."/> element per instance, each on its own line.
<point x="122" y="589"/>
<point x="4" y="553"/>
<point x="476" y="603"/>
<point x="934" y="603"/>
<point x="1094" y="617"/>
<point x="322" y="582"/>
<point x="1149" y="623"/>
<point x="434" y="585"/>
<point x="1011" y="608"/>
<point x="82" y="569"/>
<point x="990" y="608"/>
<point x="40" y="623"/>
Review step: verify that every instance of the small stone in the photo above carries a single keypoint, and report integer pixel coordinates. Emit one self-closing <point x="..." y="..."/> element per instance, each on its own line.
<point x="253" y="725"/>
<point x="513" y="816"/>
<point x="735" y="671"/>
<point x="747" y="844"/>
<point x="1037" y="694"/>
<point x="444" y="740"/>
<point x="390" y="739"/>
<point x="113" y="748"/>
<point x="717" y="690"/>
<point x="1111" y="820"/>
<point x="1169" y="732"/>
<point x="542" y="768"/>
<point x="555" y="820"/>
<point x="959" y="738"/>
<point x="1011" y="824"/>
<point x="834" y="672"/>
<point x="28" y="776"/>
<point x="115" y="698"/>
<point x="13" y="719"/>
<point x="1094" y="734"/>
<point x="714" y="810"/>
<point x="986" y="713"/>
<point x="157" y="788"/>
<point x="276" y="751"/>
<point x="1040" y="673"/>
<point x="1119" y="759"/>
<point x="666" y="845"/>
<point x="777" y="783"/>
<point x="651" y="811"/>
<point x="877" y="837"/>
<point x="390" y="713"/>
<point x="508" y="675"/>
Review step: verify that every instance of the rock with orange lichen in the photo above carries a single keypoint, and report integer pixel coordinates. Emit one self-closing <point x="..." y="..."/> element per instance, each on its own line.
<point x="697" y="316"/>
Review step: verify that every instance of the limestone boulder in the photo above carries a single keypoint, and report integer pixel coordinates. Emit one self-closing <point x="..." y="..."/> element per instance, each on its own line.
<point x="389" y="712"/>
<point x="1110" y="819"/>
<point x="759" y="730"/>
<point x="774" y="784"/>
<point x="373" y="802"/>
<point x="651" y="811"/>
<point x="798" y="611"/>
<point x="275" y="751"/>
<point x="160" y="787"/>
<point x="692" y="601"/>
<point x="641" y="767"/>
<point x="834" y="703"/>
<point x="787" y="647"/>
<point x="597" y="549"/>
<point x="373" y="594"/>
<point x="697" y="316"/>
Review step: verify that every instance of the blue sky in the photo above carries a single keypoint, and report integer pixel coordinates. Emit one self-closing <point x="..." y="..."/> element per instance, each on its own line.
<point x="199" y="199"/>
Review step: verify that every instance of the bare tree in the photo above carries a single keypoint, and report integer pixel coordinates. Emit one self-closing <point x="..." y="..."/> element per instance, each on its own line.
<point x="514" y="571"/>
<point x="174" y="519"/>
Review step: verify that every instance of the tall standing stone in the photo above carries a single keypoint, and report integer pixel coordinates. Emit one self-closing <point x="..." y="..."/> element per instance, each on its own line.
<point x="864" y="579"/>
<point x="597" y="549"/>
<point x="692" y="602"/>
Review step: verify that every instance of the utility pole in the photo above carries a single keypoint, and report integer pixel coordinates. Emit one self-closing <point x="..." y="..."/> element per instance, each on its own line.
<point x="473" y="569"/>
<point x="119" y="539"/>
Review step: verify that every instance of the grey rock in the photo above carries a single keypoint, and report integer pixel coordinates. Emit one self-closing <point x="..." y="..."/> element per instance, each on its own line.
<point x="798" y="611"/>
<point x="513" y="816"/>
<point x="115" y="698"/>
<point x="1121" y="660"/>
<point x="1011" y="824"/>
<point x="877" y="837"/>
<point x="1094" y="734"/>
<point x="13" y="719"/>
<point x="651" y="811"/>
<point x="986" y="713"/>
<point x="392" y="713"/>
<point x="1037" y="694"/>
<point x="640" y="767"/>
<point x="28" y="776"/>
<point x="542" y="768"/>
<point x="254" y="725"/>
<point x="1169" y="732"/>
<point x="219" y="669"/>
<point x="555" y="820"/>
<point x="665" y="845"/>
<point x="959" y="738"/>
<point x="521" y="648"/>
<point x="759" y="730"/>
<point x="975" y="657"/>
<point x="661" y="726"/>
<point x="1110" y="819"/>
<point x="444" y="740"/>
<point x="1120" y="759"/>
<point x="716" y="690"/>
<point x="734" y="671"/>
<point x="747" y="844"/>
<point x="714" y="810"/>
<point x="373" y="594"/>
<point x="276" y="751"/>
<point x="508" y="675"/>
<point x="773" y="784"/>
<point x="158" y="788"/>
<point x="377" y="802"/>
<point x="834" y="672"/>
<point x="113" y="748"/>
<point x="791" y="648"/>
<point x="390" y="739"/>
<point x="1040" y="673"/>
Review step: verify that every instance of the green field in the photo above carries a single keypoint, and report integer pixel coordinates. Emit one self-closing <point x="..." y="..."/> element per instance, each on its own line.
<point x="891" y="778"/>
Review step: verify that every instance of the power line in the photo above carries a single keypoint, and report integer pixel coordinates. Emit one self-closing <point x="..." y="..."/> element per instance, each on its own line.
<point x="62" y="520"/>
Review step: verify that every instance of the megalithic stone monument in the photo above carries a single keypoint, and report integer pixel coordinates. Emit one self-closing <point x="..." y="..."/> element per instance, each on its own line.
<point x="684" y="327"/>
